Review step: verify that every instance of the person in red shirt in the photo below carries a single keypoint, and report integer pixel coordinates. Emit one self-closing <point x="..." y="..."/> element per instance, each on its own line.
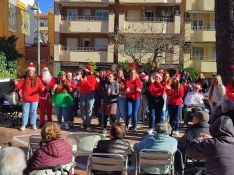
<point x="175" y="103"/>
<point x="230" y="87"/>
<point x="71" y="83"/>
<point x="86" y="86"/>
<point x="46" y="96"/>
<point x="156" y="100"/>
<point x="30" y="87"/>
<point x="133" y="93"/>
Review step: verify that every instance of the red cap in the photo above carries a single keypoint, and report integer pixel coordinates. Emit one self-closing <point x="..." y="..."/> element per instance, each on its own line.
<point x="31" y="67"/>
<point x="158" y="74"/>
<point x="45" y="68"/>
<point x="88" y="68"/>
<point x="144" y="76"/>
<point x="108" y="71"/>
<point x="177" y="76"/>
<point x="199" y="85"/>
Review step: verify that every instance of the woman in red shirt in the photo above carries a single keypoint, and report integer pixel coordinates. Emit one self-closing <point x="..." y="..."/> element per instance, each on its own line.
<point x="156" y="100"/>
<point x="133" y="93"/>
<point x="30" y="87"/>
<point x="175" y="103"/>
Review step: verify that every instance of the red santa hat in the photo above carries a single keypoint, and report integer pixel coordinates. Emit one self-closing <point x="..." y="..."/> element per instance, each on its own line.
<point x="144" y="76"/>
<point x="69" y="73"/>
<point x="177" y="76"/>
<point x="198" y="85"/>
<point x="88" y="68"/>
<point x="108" y="72"/>
<point x="44" y="68"/>
<point x="31" y="67"/>
<point x="159" y="75"/>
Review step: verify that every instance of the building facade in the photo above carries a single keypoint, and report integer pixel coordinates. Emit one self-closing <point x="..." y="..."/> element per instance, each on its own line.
<point x="83" y="31"/>
<point x="43" y="27"/>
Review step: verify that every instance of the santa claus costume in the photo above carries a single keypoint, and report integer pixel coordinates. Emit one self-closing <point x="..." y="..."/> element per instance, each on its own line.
<point x="30" y="87"/>
<point x="46" y="96"/>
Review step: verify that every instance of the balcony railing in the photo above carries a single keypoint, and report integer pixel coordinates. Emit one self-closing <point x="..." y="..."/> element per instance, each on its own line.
<point x="203" y="58"/>
<point x="85" y="18"/>
<point x="211" y="28"/>
<point x="84" y="49"/>
<point x="150" y="19"/>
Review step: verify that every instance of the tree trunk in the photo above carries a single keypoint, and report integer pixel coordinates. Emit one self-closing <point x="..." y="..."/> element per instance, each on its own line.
<point x="224" y="23"/>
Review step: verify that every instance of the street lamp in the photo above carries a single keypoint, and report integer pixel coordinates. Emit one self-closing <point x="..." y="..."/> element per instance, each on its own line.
<point x="36" y="8"/>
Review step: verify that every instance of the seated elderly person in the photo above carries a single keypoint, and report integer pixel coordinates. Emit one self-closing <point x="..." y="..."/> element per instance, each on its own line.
<point x="193" y="100"/>
<point x="217" y="151"/>
<point x="116" y="145"/>
<point x="6" y="138"/>
<point x="54" y="150"/>
<point x="200" y="126"/>
<point x="160" y="141"/>
<point x="12" y="161"/>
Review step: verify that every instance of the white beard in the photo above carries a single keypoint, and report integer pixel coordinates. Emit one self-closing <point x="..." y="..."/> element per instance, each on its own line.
<point x="46" y="76"/>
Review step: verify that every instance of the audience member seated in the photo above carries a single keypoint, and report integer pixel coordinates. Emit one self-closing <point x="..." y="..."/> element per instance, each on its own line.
<point x="6" y="138"/>
<point x="160" y="141"/>
<point x="193" y="100"/>
<point x="217" y="151"/>
<point x="54" y="150"/>
<point x="200" y="126"/>
<point x="226" y="109"/>
<point x="116" y="145"/>
<point x="12" y="161"/>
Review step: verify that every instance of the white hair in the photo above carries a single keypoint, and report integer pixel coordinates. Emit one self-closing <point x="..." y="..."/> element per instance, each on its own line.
<point x="12" y="161"/>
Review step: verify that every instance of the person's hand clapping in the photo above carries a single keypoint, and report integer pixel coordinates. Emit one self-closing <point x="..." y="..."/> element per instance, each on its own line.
<point x="152" y="79"/>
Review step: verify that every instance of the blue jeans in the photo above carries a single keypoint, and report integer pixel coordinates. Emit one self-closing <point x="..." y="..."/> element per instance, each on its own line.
<point x="29" y="111"/>
<point x="121" y="109"/>
<point x="65" y="112"/>
<point x="175" y="112"/>
<point x="155" y="109"/>
<point x="132" y="111"/>
<point x="165" y="112"/>
<point x="86" y="106"/>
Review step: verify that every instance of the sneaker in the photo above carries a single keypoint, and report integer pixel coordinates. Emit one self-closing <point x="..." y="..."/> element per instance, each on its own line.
<point x="34" y="127"/>
<point x="176" y="133"/>
<point x="126" y="128"/>
<point x="150" y="131"/>
<point x="22" y="128"/>
<point x="104" y="131"/>
<point x="66" y="126"/>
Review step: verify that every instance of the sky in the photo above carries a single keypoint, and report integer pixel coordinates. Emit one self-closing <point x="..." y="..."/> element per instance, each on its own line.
<point x="45" y="5"/>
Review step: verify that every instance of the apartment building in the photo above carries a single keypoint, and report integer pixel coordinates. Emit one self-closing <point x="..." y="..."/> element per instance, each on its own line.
<point x="83" y="28"/>
<point x="43" y="27"/>
<point x="199" y="32"/>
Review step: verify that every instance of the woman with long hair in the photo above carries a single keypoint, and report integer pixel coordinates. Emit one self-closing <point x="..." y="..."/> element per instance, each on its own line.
<point x="175" y="103"/>
<point x="217" y="92"/>
<point x="133" y="98"/>
<point x="30" y="87"/>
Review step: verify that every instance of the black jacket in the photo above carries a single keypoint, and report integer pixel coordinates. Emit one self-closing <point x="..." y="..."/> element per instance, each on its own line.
<point x="192" y="133"/>
<point x="219" y="150"/>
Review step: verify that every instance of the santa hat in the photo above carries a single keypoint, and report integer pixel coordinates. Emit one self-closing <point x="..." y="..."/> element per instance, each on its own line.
<point x="61" y="73"/>
<point x="87" y="68"/>
<point x="108" y="72"/>
<point x="159" y="75"/>
<point x="31" y="67"/>
<point x="69" y="73"/>
<point x="144" y="76"/>
<point x="198" y="85"/>
<point x="44" y="68"/>
<point x="177" y="76"/>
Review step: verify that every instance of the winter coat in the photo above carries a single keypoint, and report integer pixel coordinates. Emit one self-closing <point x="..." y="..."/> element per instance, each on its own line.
<point x="56" y="152"/>
<point x="158" y="142"/>
<point x="30" y="93"/>
<point x="218" y="151"/>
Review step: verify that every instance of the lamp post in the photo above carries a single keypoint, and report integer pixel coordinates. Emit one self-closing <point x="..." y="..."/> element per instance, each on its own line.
<point x="36" y="8"/>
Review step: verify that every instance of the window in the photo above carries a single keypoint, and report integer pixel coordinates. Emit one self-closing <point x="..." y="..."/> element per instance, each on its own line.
<point x="149" y="15"/>
<point x="86" y="43"/>
<point x="197" y="53"/>
<point x="101" y="14"/>
<point x="197" y="24"/>
<point x="72" y="14"/>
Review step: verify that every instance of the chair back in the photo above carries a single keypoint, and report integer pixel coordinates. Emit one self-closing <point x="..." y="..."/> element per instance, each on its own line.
<point x="149" y="157"/>
<point x="56" y="170"/>
<point x="33" y="144"/>
<point x="83" y="143"/>
<point x="106" y="162"/>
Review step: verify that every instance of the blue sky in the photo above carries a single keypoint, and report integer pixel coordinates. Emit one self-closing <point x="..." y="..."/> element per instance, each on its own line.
<point x="45" y="5"/>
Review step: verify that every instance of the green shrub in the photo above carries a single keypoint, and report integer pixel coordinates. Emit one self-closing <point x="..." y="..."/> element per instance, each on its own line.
<point x="7" y="72"/>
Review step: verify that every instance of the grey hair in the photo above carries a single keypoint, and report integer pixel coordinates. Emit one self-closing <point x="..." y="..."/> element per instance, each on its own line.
<point x="12" y="161"/>
<point x="163" y="128"/>
<point x="227" y="105"/>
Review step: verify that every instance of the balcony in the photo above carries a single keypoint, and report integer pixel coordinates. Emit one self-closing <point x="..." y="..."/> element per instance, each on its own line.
<point x="200" y="34"/>
<point x="149" y="25"/>
<point x="87" y="24"/>
<point x="200" y="5"/>
<point x="84" y="54"/>
<point x="149" y="1"/>
<point x="87" y="1"/>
